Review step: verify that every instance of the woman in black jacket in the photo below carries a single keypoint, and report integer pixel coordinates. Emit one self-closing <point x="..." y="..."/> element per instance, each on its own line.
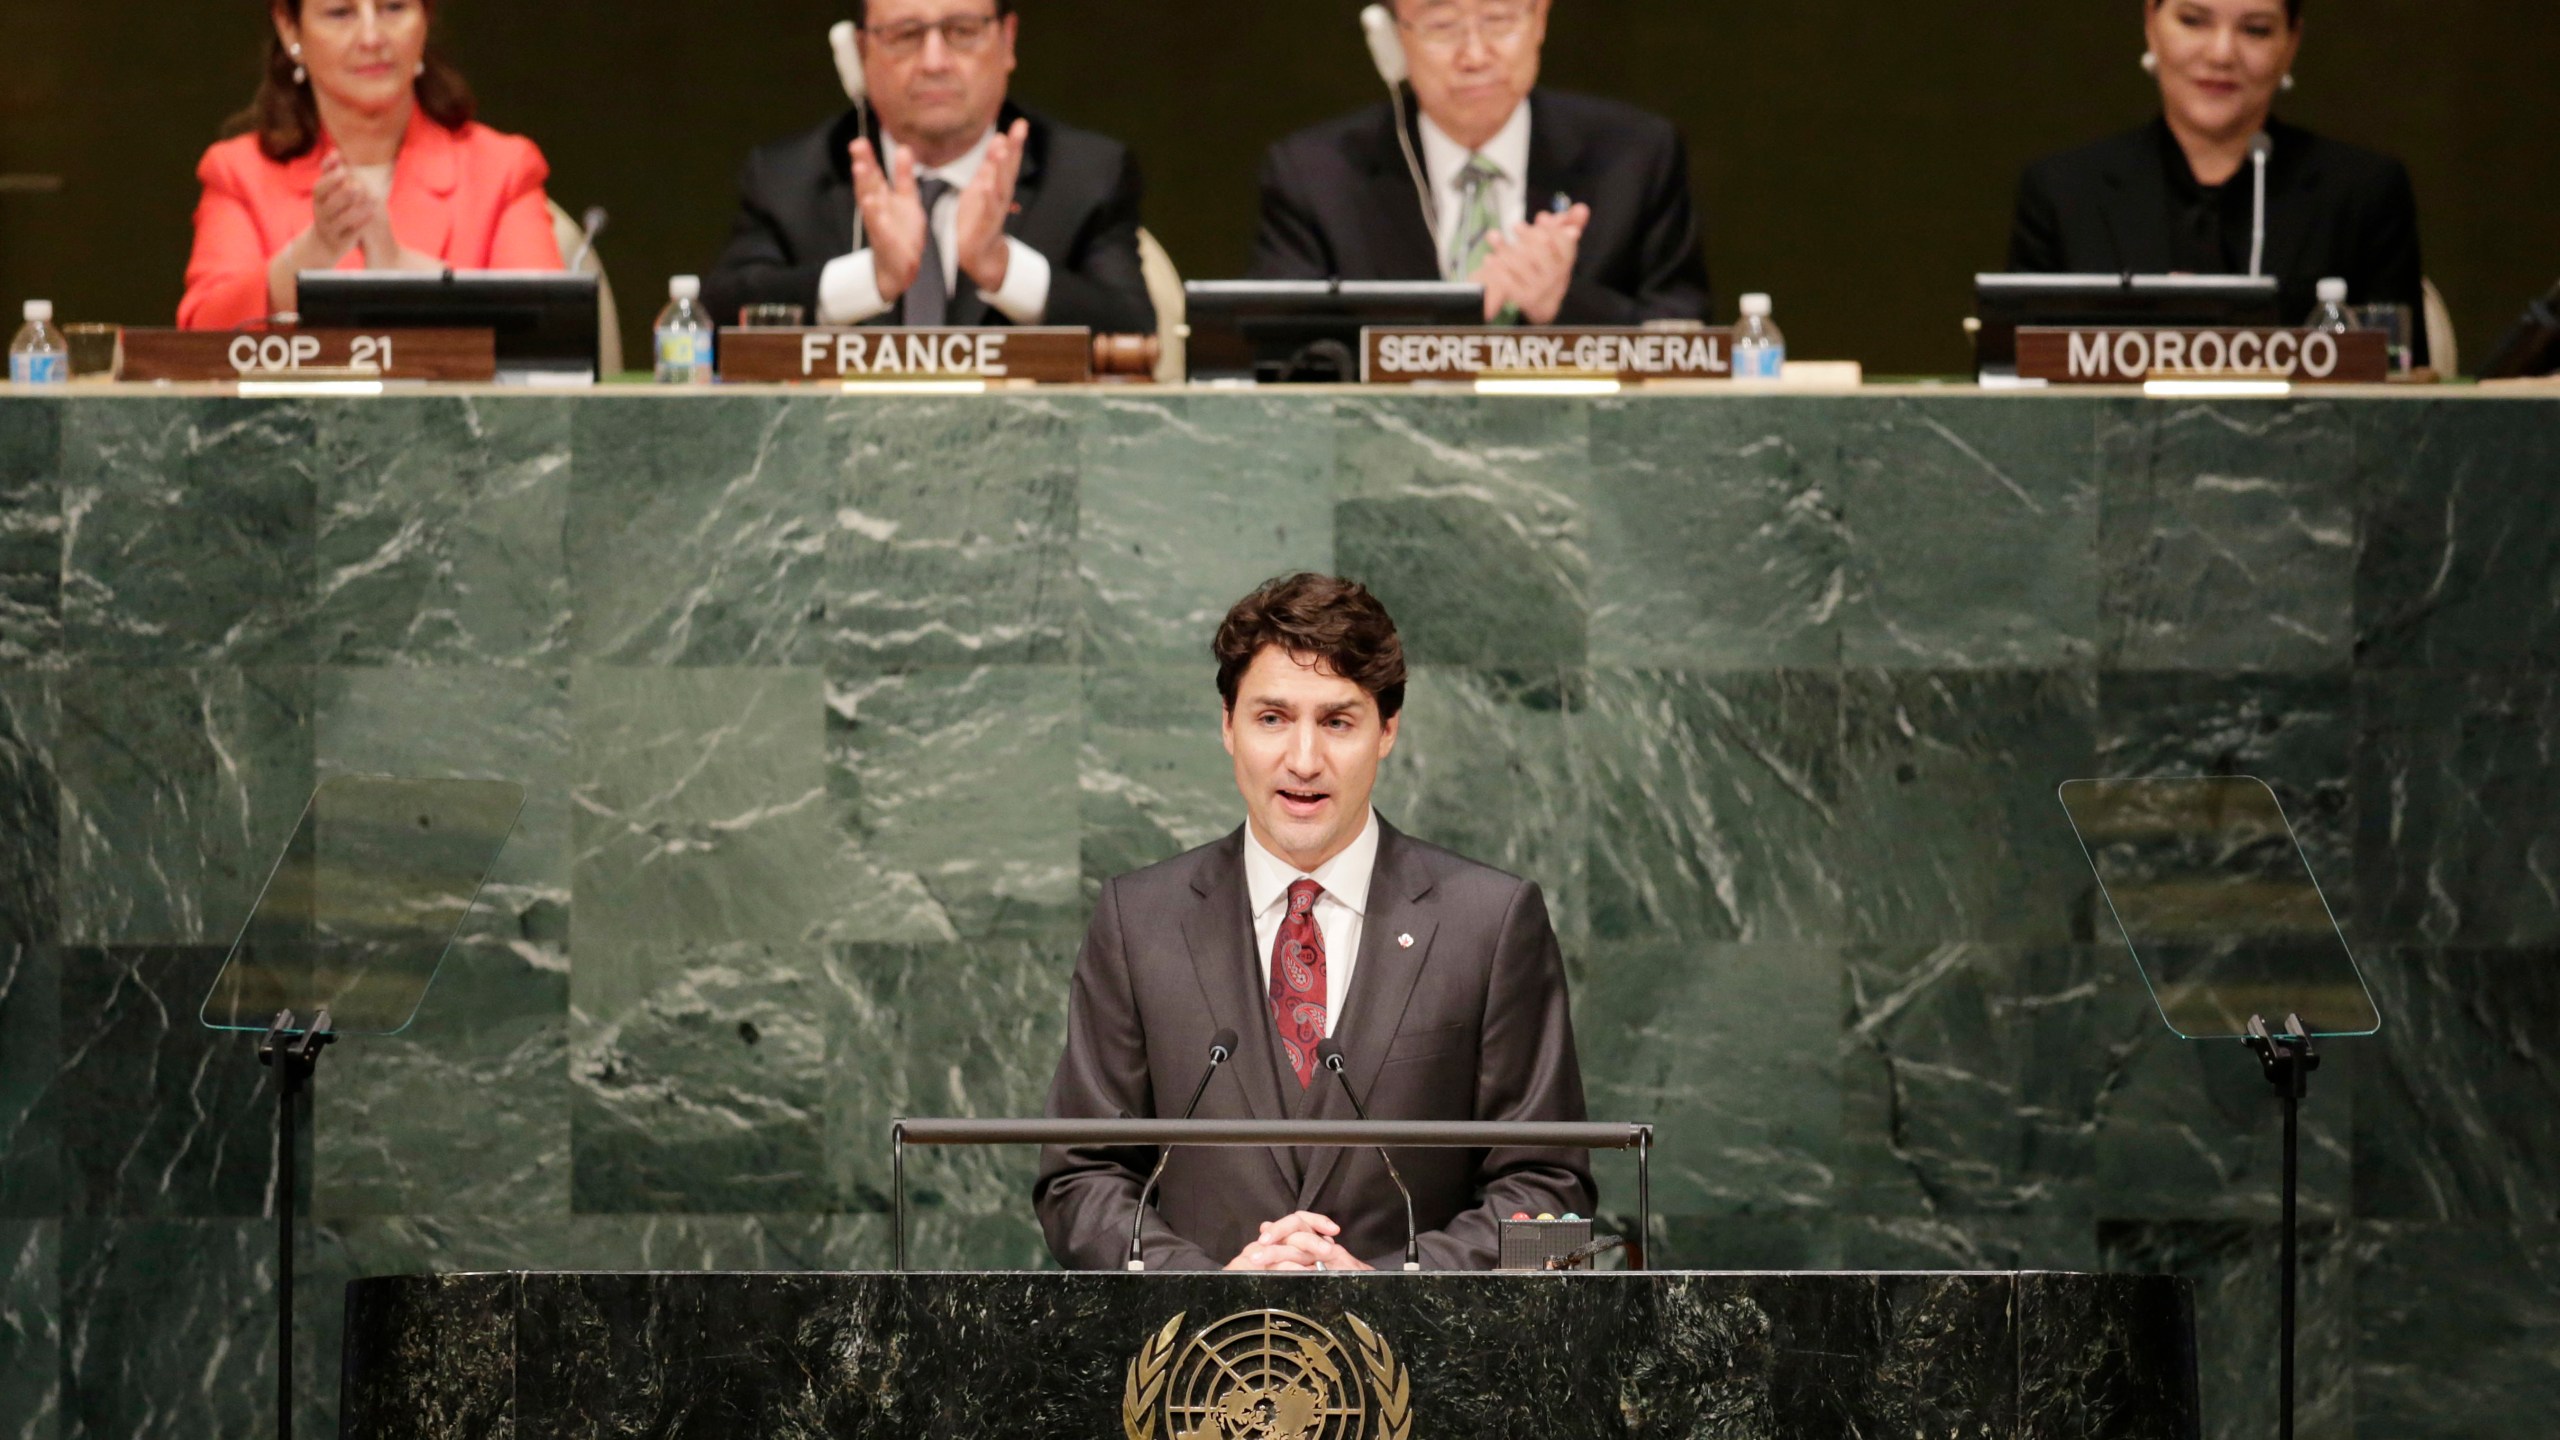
<point x="2179" y="195"/>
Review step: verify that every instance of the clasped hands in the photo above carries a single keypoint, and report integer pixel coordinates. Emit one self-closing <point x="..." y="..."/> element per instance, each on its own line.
<point x="1304" y="1241"/>
<point x="1531" y="266"/>
<point x="893" y="214"/>
<point x="345" y="214"/>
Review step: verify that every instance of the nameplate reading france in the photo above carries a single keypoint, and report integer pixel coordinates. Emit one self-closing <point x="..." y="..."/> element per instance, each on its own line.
<point x="197" y="356"/>
<point x="2129" y="356"/>
<point x="1390" y="356"/>
<point x="1049" y="355"/>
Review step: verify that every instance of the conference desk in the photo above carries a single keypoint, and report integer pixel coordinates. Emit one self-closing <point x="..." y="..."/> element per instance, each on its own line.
<point x="1988" y="1356"/>
<point x="834" y="708"/>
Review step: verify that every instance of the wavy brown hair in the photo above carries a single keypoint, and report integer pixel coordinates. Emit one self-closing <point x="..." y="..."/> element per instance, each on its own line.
<point x="1320" y="617"/>
<point x="286" y="119"/>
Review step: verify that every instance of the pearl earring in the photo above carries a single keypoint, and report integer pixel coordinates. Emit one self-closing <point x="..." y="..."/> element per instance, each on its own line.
<point x="2150" y="63"/>
<point x="2286" y="84"/>
<point x="422" y="67"/>
<point x="300" y="75"/>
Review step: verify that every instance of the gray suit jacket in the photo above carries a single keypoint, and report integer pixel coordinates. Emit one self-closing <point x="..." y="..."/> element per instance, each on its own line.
<point x="1469" y="1022"/>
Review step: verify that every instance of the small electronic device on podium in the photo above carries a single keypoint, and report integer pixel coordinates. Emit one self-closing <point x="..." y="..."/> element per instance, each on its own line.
<point x="2004" y="303"/>
<point x="2228" y="926"/>
<point x="349" y="932"/>
<point x="1278" y="332"/>
<point x="545" y="321"/>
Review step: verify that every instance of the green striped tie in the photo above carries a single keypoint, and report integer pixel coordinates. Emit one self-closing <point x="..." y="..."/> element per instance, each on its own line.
<point x="1478" y="221"/>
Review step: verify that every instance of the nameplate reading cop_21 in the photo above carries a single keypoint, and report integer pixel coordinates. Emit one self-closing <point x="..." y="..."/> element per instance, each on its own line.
<point x="197" y="356"/>
<point x="1397" y="356"/>
<point x="1044" y="355"/>
<point x="2129" y="356"/>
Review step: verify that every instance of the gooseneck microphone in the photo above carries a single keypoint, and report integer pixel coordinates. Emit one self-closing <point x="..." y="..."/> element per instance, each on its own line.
<point x="1221" y="1045"/>
<point x="590" y="226"/>
<point x="1329" y="1055"/>
<point x="2260" y="147"/>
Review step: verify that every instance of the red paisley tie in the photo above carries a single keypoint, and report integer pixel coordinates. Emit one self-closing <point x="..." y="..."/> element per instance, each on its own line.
<point x="1297" y="981"/>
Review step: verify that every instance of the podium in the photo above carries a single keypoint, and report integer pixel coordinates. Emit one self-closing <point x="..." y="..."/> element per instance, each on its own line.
<point x="1115" y="1356"/>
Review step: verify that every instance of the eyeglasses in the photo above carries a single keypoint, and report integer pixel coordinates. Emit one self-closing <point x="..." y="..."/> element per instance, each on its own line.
<point x="963" y="34"/>
<point x="1494" y="25"/>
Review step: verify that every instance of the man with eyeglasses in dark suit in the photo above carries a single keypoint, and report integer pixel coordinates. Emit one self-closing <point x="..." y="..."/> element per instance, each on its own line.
<point x="1568" y="209"/>
<point x="938" y="201"/>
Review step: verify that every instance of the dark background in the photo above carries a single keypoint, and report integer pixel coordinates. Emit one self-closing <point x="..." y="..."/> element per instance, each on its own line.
<point x="1855" y="157"/>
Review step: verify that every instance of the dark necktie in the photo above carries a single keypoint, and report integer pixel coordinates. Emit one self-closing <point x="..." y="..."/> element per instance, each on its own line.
<point x="928" y="301"/>
<point x="1297" y="981"/>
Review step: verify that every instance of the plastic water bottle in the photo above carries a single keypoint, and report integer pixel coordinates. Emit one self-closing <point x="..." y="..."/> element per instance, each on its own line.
<point x="1759" y="350"/>
<point x="38" y="356"/>
<point x="2332" y="315"/>
<point x="684" y="335"/>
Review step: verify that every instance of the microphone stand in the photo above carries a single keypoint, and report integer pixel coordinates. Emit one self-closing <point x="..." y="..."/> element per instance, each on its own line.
<point x="1220" y="1048"/>
<point x="1331" y="1057"/>
<point x="2288" y="1060"/>
<point x="2258" y="151"/>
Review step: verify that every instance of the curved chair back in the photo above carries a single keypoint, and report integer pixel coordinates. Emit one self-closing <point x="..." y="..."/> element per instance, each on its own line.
<point x="2444" y="351"/>
<point x="566" y="230"/>
<point x="1164" y="287"/>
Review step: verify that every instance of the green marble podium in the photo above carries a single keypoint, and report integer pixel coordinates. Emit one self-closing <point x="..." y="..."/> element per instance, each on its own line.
<point x="834" y="710"/>
<point x="1226" y="1357"/>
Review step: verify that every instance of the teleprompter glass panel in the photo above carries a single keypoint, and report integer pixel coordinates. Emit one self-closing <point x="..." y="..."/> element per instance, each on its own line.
<point x="2225" y="919"/>
<point x="363" y="903"/>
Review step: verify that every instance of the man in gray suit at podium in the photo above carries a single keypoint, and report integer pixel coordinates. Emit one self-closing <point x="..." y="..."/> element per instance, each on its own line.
<point x="1438" y="978"/>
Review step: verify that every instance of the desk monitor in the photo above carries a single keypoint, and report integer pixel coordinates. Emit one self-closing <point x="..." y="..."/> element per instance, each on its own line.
<point x="1308" y="331"/>
<point x="545" y="320"/>
<point x="2002" y="303"/>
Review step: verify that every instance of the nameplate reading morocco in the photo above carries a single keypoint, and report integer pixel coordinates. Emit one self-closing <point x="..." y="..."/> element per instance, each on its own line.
<point x="1395" y="356"/>
<point x="198" y="356"/>
<point x="1045" y="355"/>
<point x="2130" y="356"/>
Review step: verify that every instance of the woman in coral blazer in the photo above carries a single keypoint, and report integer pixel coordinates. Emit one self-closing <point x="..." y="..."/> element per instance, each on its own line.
<point x="359" y="153"/>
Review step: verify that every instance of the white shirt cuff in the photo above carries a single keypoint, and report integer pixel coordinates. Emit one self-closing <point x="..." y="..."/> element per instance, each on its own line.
<point x="849" y="290"/>
<point x="1024" y="300"/>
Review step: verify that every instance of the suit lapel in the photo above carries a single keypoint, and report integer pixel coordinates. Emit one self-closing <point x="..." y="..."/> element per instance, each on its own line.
<point x="1399" y="238"/>
<point x="1219" y="932"/>
<point x="1555" y="157"/>
<point x="422" y="186"/>
<point x="2292" y="185"/>
<point x="1381" y="987"/>
<point x="1556" y="168"/>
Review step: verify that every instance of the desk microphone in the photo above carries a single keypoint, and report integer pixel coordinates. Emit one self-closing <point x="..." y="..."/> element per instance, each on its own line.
<point x="1329" y="1055"/>
<point x="1221" y="1045"/>
<point x="589" y="227"/>
<point x="2260" y="147"/>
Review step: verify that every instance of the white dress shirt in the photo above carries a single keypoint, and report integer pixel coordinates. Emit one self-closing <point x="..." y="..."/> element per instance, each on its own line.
<point x="1339" y="911"/>
<point x="1445" y="160"/>
<point x="849" y="287"/>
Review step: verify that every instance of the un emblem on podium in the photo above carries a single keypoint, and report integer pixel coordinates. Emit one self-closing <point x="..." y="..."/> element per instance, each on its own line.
<point x="1267" y="1375"/>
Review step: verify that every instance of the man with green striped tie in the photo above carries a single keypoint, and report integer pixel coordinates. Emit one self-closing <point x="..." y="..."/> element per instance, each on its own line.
<point x="1566" y="209"/>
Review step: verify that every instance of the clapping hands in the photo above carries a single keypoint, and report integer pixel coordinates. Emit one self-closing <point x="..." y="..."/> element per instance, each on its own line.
<point x="893" y="214"/>
<point x="1531" y="267"/>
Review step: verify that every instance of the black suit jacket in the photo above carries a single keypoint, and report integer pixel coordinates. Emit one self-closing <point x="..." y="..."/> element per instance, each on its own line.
<point x="1468" y="1023"/>
<point x="1339" y="202"/>
<point x="2332" y="210"/>
<point x="1076" y="202"/>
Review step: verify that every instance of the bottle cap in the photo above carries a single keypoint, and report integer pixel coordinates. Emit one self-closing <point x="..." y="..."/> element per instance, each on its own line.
<point x="39" y="310"/>
<point x="685" y="287"/>
<point x="2333" y="291"/>
<point x="1756" y="304"/>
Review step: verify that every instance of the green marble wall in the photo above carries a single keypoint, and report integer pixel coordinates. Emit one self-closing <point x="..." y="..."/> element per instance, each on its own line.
<point x="836" y="711"/>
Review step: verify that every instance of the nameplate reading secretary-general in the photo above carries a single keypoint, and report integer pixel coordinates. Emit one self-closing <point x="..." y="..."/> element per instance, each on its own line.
<point x="1438" y="977"/>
